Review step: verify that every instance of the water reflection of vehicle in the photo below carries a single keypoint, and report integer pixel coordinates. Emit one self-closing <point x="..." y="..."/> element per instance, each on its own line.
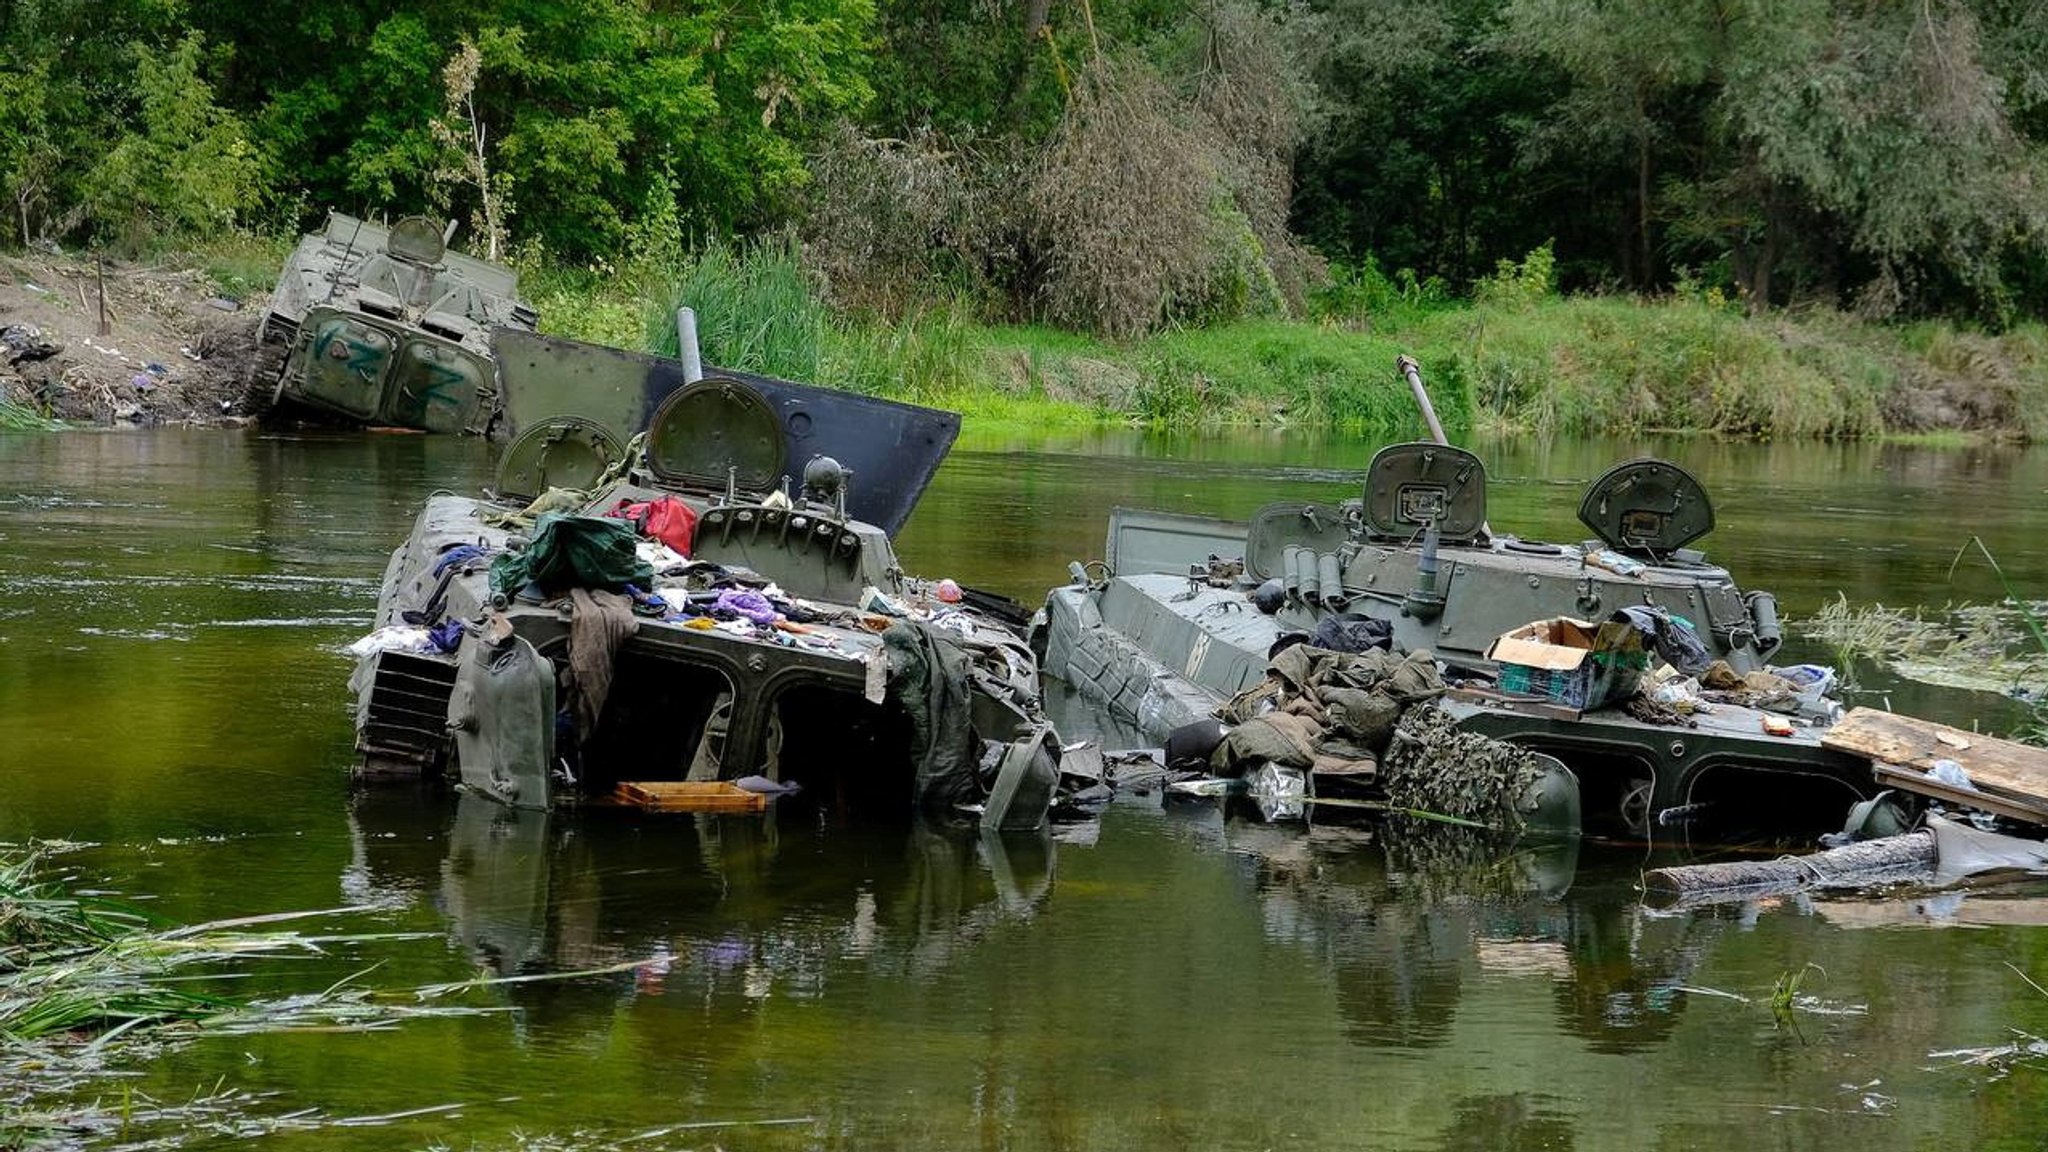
<point x="1409" y="914"/>
<point x="724" y="903"/>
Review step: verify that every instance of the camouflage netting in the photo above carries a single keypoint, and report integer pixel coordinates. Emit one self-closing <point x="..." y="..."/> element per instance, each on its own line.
<point x="1433" y="766"/>
<point x="1371" y="717"/>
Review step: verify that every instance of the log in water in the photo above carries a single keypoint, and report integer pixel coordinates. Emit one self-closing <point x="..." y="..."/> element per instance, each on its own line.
<point x="1886" y="860"/>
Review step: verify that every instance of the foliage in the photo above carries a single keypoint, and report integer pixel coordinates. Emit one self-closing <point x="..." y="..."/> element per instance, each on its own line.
<point x="1413" y="151"/>
<point x="1162" y="194"/>
<point x="28" y="155"/>
<point x="1522" y="285"/>
<point x="22" y="418"/>
<point x="1158" y="195"/>
<point x="1120" y="203"/>
<point x="1545" y="364"/>
<point x="588" y="109"/>
<point x="1996" y="648"/>
<point x="1118" y="167"/>
<point x="1590" y="365"/>
<point x="186" y="170"/>
<point x="88" y="985"/>
<point x="926" y="357"/>
<point x="1362" y="295"/>
<point x="890" y="223"/>
<point x="465" y="140"/>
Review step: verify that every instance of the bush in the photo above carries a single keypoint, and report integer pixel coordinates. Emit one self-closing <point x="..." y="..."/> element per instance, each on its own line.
<point x="1521" y="285"/>
<point x="889" y="224"/>
<point x="1119" y="203"/>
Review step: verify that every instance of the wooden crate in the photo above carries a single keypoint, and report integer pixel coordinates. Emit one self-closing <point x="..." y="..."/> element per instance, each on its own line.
<point x="690" y="796"/>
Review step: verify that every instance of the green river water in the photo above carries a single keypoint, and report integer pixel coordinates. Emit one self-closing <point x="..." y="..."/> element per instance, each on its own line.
<point x="174" y="702"/>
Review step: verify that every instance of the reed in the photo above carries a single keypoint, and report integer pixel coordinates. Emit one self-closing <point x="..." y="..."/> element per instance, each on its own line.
<point x="2001" y="647"/>
<point x="89" y="984"/>
<point x="757" y="310"/>
<point x="22" y="418"/>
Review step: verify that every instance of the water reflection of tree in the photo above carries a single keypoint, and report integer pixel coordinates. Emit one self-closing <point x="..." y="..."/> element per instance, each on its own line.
<point x="1508" y="1123"/>
<point x="1623" y="994"/>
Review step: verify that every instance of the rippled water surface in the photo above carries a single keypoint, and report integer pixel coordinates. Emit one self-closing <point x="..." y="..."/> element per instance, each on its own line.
<point x="174" y="702"/>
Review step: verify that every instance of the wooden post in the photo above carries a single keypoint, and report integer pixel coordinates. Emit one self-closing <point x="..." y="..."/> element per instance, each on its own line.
<point x="100" y="262"/>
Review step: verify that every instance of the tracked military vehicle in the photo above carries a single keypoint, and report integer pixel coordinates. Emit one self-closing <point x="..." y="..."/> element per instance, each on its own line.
<point x="385" y="326"/>
<point x="773" y="635"/>
<point x="1167" y="627"/>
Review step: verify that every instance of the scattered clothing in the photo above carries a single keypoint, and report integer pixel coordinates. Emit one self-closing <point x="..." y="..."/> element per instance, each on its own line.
<point x="744" y="604"/>
<point x="393" y="638"/>
<point x="573" y="552"/>
<point x="1673" y="637"/>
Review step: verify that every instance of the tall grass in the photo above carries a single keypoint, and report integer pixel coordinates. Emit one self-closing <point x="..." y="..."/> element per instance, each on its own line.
<point x="1622" y="365"/>
<point x="1999" y="647"/>
<point x="88" y="984"/>
<point x="1517" y="358"/>
<point x="757" y="310"/>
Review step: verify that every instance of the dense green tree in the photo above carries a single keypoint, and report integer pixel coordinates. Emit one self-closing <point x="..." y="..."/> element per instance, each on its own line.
<point x="1890" y="155"/>
<point x="28" y="156"/>
<point x="182" y="167"/>
<point x="75" y="79"/>
<point x="1412" y="156"/>
<point x="1816" y="141"/>
<point x="592" y="110"/>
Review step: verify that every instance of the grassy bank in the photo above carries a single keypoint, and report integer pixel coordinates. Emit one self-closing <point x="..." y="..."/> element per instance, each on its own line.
<point x="1515" y="358"/>
<point x="1512" y="361"/>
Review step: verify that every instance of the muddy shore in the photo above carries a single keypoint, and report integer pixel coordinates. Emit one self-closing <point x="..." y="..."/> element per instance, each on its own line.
<point x="173" y="349"/>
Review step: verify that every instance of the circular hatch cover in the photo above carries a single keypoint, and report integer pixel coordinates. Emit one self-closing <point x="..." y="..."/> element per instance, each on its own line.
<point x="706" y="428"/>
<point x="559" y="452"/>
<point x="1649" y="506"/>
<point x="416" y="239"/>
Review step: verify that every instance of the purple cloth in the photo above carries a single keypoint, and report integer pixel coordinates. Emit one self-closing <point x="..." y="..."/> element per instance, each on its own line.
<point x="743" y="602"/>
<point x="446" y="636"/>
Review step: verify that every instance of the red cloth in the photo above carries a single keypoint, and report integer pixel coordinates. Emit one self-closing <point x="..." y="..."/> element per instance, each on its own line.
<point x="665" y="518"/>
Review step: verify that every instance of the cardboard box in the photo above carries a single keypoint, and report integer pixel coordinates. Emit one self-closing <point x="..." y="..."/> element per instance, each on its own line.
<point x="1575" y="663"/>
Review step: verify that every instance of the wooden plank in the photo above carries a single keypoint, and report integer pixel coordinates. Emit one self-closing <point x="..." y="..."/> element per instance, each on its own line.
<point x="2011" y="778"/>
<point x="690" y="796"/>
<point x="1913" y="780"/>
<point x="2006" y="765"/>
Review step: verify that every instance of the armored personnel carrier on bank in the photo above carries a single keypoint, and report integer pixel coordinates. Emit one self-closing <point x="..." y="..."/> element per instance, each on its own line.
<point x="385" y="326"/>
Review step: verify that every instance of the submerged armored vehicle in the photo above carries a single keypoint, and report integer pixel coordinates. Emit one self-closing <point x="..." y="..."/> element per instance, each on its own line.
<point x="385" y="326"/>
<point x="766" y="630"/>
<point x="1167" y="627"/>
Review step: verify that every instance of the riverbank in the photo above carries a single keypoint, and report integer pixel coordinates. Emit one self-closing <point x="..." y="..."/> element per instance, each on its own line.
<point x="1511" y="362"/>
<point x="1547" y="365"/>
